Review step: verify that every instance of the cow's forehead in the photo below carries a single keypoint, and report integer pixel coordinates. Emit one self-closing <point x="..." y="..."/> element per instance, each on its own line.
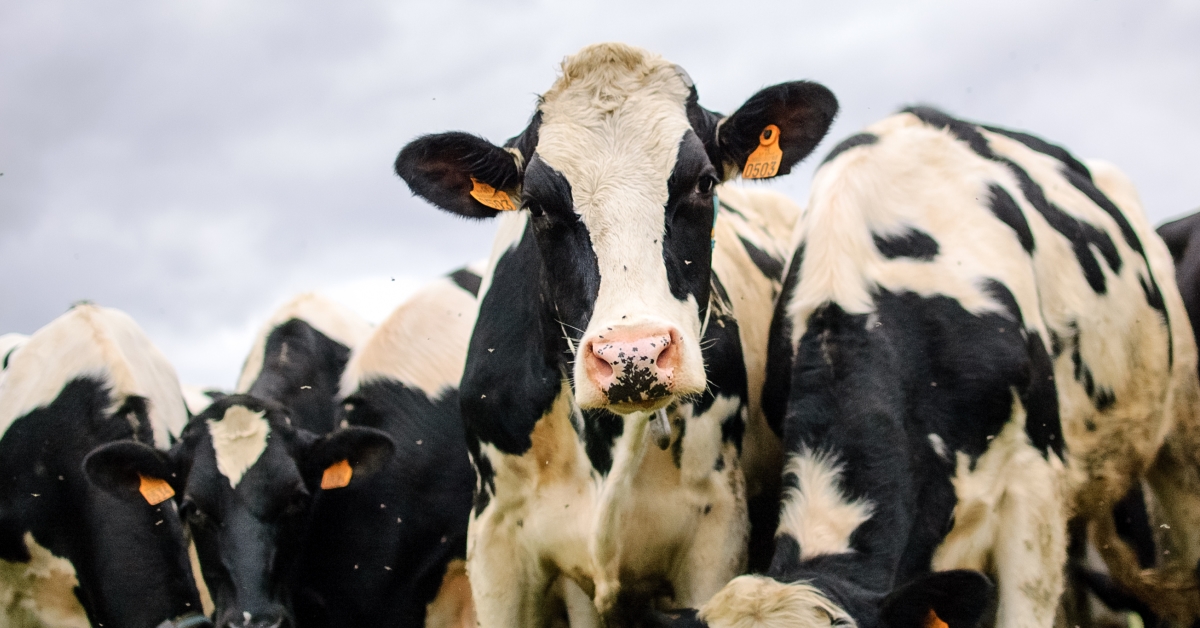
<point x="616" y="114"/>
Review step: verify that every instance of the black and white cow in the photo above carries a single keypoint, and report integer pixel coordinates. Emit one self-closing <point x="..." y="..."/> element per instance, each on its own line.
<point x="608" y="323"/>
<point x="298" y="358"/>
<point x="979" y="338"/>
<point x="391" y="551"/>
<point x="76" y="547"/>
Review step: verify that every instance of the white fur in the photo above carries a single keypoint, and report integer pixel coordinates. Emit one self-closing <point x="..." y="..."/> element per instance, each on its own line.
<point x="611" y="125"/>
<point x="422" y="344"/>
<point x="9" y="343"/>
<point x="330" y="318"/>
<point x="816" y="513"/>
<point x="40" y="592"/>
<point x="90" y="340"/>
<point x="760" y="602"/>
<point x="238" y="440"/>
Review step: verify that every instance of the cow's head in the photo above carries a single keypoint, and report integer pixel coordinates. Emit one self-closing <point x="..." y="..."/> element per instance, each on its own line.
<point x="126" y="547"/>
<point x="617" y="171"/>
<point x="246" y="479"/>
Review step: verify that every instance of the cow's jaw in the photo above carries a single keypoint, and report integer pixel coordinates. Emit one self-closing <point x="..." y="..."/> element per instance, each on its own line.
<point x="614" y="131"/>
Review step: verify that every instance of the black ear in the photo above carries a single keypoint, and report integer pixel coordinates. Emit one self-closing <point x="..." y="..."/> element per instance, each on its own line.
<point x="440" y="169"/>
<point x="119" y="467"/>
<point x="958" y="598"/>
<point x="803" y="112"/>
<point x="366" y="449"/>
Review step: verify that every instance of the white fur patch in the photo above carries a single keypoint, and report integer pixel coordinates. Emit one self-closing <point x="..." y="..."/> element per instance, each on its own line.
<point x="816" y="513"/>
<point x="422" y="344"/>
<point x="40" y="592"/>
<point x="330" y="318"/>
<point x="9" y="343"/>
<point x="611" y="124"/>
<point x="238" y="440"/>
<point x="100" y="342"/>
<point x="761" y="602"/>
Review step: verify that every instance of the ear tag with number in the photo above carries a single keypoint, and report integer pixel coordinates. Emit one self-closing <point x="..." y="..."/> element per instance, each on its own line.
<point x="154" y="490"/>
<point x="933" y="621"/>
<point x="490" y="196"/>
<point x="337" y="475"/>
<point x="764" y="161"/>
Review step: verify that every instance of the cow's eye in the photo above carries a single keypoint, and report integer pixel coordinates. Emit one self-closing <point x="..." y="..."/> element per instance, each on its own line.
<point x="706" y="184"/>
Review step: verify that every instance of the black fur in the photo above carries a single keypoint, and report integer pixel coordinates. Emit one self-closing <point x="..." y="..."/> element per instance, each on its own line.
<point x="130" y="557"/>
<point x="860" y="139"/>
<point x="1006" y="209"/>
<point x="467" y="280"/>
<point x="767" y="265"/>
<point x="913" y="243"/>
<point x="301" y="369"/>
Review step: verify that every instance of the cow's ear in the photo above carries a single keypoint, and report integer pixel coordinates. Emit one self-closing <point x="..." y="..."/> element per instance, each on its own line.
<point x="1177" y="233"/>
<point x="461" y="173"/>
<point x="953" y="599"/>
<point x="801" y="111"/>
<point x="331" y="461"/>
<point x="131" y="470"/>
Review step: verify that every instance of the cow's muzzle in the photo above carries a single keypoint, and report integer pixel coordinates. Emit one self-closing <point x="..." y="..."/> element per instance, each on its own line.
<point x="633" y="366"/>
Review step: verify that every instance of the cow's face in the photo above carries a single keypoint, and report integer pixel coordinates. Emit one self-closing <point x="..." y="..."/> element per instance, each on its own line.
<point x="248" y="478"/>
<point x="617" y="173"/>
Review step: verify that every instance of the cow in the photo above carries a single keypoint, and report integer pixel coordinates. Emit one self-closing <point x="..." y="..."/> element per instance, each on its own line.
<point x="391" y="551"/>
<point x="197" y="398"/>
<point x="86" y="539"/>
<point x="610" y="393"/>
<point x="979" y="339"/>
<point x="298" y="356"/>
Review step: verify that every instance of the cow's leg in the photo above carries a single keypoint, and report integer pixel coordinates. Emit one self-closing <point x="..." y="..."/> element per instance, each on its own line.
<point x="1011" y="515"/>
<point x="508" y="583"/>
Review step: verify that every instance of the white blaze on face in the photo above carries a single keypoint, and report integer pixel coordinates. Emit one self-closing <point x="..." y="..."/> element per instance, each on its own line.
<point x="612" y="125"/>
<point x="817" y="513"/>
<point x="238" y="440"/>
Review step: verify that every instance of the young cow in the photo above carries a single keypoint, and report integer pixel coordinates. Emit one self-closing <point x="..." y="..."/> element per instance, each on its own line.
<point x="298" y="358"/>
<point x="979" y="337"/>
<point x="617" y="357"/>
<point x="381" y="554"/>
<point x="76" y="550"/>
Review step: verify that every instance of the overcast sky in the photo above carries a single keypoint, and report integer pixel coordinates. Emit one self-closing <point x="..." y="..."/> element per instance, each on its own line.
<point x="195" y="163"/>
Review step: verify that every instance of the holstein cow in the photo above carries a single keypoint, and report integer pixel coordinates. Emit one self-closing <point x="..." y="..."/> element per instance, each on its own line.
<point x="610" y="326"/>
<point x="979" y="338"/>
<point x="298" y="358"/>
<point x="103" y="547"/>
<point x="390" y="552"/>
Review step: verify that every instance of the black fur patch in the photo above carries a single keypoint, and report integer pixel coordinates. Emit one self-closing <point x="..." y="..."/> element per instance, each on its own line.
<point x="301" y="371"/>
<point x="601" y="429"/>
<point x="779" y="349"/>
<point x="467" y="280"/>
<point x="913" y="243"/>
<point x="767" y="265"/>
<point x="512" y="375"/>
<point x="1006" y="209"/>
<point x="861" y="139"/>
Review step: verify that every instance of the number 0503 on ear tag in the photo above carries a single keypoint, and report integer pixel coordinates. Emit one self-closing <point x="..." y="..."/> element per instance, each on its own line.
<point x="155" y="490"/>
<point x="764" y="161"/>
<point x="490" y="196"/>
<point x="337" y="475"/>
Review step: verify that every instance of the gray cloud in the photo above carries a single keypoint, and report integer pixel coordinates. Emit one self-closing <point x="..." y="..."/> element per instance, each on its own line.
<point x="195" y="163"/>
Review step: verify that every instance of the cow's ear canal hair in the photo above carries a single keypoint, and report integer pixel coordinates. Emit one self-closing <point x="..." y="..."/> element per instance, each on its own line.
<point x="366" y="449"/>
<point x="802" y="110"/>
<point x="955" y="598"/>
<point x="445" y="168"/>
<point x="119" y="467"/>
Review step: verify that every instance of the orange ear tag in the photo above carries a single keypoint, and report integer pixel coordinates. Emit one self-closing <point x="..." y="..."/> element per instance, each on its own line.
<point x="337" y="475"/>
<point x="490" y="196"/>
<point x="764" y="161"/>
<point x="933" y="621"/>
<point x="155" y="490"/>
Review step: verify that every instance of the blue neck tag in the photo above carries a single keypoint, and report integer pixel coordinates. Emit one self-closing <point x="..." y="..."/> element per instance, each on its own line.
<point x="716" y="205"/>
